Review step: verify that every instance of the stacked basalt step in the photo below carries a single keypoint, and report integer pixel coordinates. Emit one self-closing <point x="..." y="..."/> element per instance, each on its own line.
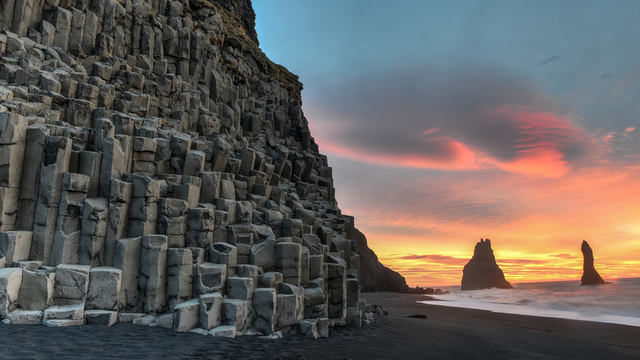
<point x="150" y="172"/>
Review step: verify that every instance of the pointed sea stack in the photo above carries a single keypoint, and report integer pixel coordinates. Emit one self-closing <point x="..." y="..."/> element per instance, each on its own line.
<point x="482" y="271"/>
<point x="589" y="276"/>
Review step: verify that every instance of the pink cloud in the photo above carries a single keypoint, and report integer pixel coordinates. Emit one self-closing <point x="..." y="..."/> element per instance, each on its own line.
<point x="535" y="145"/>
<point x="468" y="119"/>
<point x="547" y="163"/>
<point x="433" y="258"/>
<point x="541" y="139"/>
<point x="451" y="155"/>
<point x="563" y="256"/>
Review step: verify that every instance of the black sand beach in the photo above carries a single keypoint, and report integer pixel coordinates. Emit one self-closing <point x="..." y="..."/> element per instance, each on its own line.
<point x="447" y="333"/>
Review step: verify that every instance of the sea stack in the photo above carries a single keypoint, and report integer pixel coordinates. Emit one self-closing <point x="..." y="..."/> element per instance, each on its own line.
<point x="589" y="276"/>
<point x="482" y="271"/>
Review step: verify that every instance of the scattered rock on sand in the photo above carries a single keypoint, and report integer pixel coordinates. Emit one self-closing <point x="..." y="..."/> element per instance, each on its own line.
<point x="419" y="316"/>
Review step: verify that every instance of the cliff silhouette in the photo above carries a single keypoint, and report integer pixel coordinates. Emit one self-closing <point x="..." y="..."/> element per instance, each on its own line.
<point x="373" y="275"/>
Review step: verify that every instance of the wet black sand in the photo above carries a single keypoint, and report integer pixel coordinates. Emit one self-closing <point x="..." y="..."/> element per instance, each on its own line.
<point x="447" y="333"/>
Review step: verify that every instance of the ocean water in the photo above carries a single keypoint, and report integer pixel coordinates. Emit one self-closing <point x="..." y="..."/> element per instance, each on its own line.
<point x="617" y="302"/>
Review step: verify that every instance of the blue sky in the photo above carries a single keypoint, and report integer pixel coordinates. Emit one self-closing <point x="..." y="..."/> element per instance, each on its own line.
<point x="568" y="48"/>
<point x="447" y="121"/>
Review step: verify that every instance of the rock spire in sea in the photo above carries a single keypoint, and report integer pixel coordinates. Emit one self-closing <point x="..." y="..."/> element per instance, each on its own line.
<point x="589" y="276"/>
<point x="482" y="271"/>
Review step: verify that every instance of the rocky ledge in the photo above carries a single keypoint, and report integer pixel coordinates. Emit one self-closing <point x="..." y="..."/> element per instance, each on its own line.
<point x="157" y="168"/>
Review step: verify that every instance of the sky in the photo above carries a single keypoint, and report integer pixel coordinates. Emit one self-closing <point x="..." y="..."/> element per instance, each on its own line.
<point x="450" y="121"/>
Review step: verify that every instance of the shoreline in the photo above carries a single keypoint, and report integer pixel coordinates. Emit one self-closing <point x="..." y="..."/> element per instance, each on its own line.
<point x="615" y="303"/>
<point x="512" y="309"/>
<point x="536" y="336"/>
<point x="447" y="332"/>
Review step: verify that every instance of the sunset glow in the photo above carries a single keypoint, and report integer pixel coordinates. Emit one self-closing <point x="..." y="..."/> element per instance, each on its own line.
<point x="536" y="208"/>
<point x="536" y="237"/>
<point x="520" y="125"/>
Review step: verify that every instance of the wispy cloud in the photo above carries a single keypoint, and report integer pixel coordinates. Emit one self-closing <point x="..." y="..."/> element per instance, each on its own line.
<point x="434" y="258"/>
<point x="521" y="262"/>
<point x="455" y="119"/>
<point x="563" y="256"/>
<point x="546" y="61"/>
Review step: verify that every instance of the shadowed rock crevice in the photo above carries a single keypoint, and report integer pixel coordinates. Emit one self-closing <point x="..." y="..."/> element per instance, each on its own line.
<point x="482" y="271"/>
<point x="244" y="11"/>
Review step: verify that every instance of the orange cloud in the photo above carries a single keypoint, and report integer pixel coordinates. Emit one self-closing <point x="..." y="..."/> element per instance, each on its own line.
<point x="543" y="135"/>
<point x="548" y="163"/>
<point x="535" y="143"/>
<point x="454" y="155"/>
<point x="563" y="256"/>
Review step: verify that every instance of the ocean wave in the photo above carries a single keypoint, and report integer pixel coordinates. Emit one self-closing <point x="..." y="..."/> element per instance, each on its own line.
<point x="616" y="302"/>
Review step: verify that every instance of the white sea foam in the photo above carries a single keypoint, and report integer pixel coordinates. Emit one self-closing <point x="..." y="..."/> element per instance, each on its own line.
<point x="617" y="302"/>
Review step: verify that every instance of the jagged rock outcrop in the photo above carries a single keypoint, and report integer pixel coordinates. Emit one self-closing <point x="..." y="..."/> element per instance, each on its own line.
<point x="373" y="275"/>
<point x="244" y="11"/>
<point x="589" y="275"/>
<point x="157" y="168"/>
<point x="482" y="271"/>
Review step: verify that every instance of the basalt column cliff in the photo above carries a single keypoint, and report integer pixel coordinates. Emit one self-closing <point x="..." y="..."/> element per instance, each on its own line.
<point x="156" y="167"/>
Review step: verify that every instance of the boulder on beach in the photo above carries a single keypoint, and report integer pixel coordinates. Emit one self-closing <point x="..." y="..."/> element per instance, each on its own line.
<point x="589" y="276"/>
<point x="482" y="271"/>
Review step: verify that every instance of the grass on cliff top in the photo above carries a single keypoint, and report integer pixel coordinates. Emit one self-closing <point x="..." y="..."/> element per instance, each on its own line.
<point x="237" y="36"/>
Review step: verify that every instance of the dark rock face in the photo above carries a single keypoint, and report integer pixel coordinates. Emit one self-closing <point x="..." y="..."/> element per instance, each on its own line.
<point x="482" y="271"/>
<point x="244" y="11"/>
<point x="145" y="136"/>
<point x="589" y="276"/>
<point x="373" y="275"/>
